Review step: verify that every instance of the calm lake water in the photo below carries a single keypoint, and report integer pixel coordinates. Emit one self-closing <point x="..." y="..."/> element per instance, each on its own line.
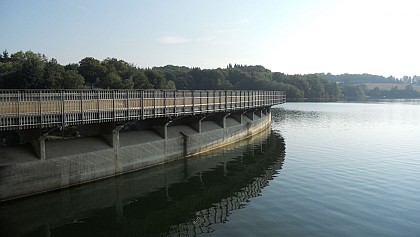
<point x="325" y="169"/>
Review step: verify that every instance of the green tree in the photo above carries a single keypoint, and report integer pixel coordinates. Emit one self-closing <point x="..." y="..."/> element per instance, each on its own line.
<point x="141" y="82"/>
<point x="71" y="79"/>
<point x="5" y="56"/>
<point x="356" y="93"/>
<point x="375" y="93"/>
<point x="92" y="70"/>
<point x="30" y="75"/>
<point x="53" y="74"/>
<point x="170" y="85"/>
<point x="155" y="78"/>
<point x="111" y="81"/>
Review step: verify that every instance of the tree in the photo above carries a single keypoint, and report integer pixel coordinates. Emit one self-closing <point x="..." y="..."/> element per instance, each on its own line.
<point x="140" y="81"/>
<point x="30" y="75"/>
<point x="114" y="81"/>
<point x="72" y="80"/>
<point x="5" y="56"/>
<point x="375" y="93"/>
<point x="71" y="66"/>
<point x="170" y="85"/>
<point x="53" y="74"/>
<point x="356" y="93"/>
<point x="155" y="78"/>
<point x="92" y="70"/>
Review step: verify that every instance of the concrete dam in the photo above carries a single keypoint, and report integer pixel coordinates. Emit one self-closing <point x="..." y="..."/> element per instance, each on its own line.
<point x="116" y="131"/>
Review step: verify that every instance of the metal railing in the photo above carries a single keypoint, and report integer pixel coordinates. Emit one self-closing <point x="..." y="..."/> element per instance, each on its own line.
<point x="23" y="109"/>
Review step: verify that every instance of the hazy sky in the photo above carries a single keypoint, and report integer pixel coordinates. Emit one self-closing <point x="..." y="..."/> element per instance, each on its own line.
<point x="292" y="36"/>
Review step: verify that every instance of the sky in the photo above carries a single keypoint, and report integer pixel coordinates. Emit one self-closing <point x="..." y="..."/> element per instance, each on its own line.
<point x="380" y="37"/>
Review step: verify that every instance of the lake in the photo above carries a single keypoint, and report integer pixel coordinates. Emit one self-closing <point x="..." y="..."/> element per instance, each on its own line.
<point x="325" y="169"/>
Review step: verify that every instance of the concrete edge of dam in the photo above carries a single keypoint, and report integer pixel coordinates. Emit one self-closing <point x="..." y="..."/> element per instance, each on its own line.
<point x="73" y="162"/>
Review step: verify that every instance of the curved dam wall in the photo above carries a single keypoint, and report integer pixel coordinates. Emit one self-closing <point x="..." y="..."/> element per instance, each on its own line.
<point x="76" y="161"/>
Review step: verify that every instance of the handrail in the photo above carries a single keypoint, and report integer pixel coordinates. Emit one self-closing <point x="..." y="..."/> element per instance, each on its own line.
<point x="24" y="109"/>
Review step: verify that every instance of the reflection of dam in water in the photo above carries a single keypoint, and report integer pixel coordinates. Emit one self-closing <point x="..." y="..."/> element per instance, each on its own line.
<point x="182" y="198"/>
<point x="219" y="212"/>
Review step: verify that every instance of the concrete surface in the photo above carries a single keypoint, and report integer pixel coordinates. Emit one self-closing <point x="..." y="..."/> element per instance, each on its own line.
<point x="76" y="161"/>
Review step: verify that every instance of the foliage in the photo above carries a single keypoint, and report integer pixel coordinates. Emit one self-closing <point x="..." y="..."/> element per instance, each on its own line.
<point x="30" y="70"/>
<point x="357" y="78"/>
<point x="407" y="93"/>
<point x="359" y="87"/>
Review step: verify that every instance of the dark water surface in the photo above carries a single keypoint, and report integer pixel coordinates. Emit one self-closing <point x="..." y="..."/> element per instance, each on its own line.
<point x="325" y="169"/>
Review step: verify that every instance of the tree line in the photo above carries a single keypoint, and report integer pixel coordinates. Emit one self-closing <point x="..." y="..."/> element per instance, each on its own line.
<point x="361" y="93"/>
<point x="353" y="86"/>
<point x="29" y="70"/>
<point x="369" y="78"/>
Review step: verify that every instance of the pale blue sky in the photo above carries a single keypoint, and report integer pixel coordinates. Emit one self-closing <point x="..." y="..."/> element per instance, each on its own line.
<point x="291" y="36"/>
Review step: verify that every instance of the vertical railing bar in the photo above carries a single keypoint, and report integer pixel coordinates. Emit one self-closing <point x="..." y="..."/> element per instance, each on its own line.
<point x="252" y="99"/>
<point x="214" y="100"/>
<point x="174" y="102"/>
<point x="154" y="103"/>
<point x="18" y="110"/>
<point x="82" y="117"/>
<point x="247" y="99"/>
<point x="201" y="101"/>
<point x="226" y="100"/>
<point x="142" y="104"/>
<point x="98" y="105"/>
<point x="63" y="114"/>
<point x="240" y="99"/>
<point x="113" y="105"/>
<point x="127" y="106"/>
<point x="40" y="109"/>
<point x="193" y="101"/>
<point x="165" y="109"/>
<point x="183" y="94"/>
<point x="207" y="100"/>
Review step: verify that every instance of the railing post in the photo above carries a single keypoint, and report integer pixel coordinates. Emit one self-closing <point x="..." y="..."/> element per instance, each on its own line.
<point x="164" y="102"/>
<point x="248" y="100"/>
<point x="82" y="117"/>
<point x="113" y="104"/>
<point x="127" y="106"/>
<point x="240" y="99"/>
<point x="154" y="103"/>
<point x="18" y="110"/>
<point x="63" y="112"/>
<point x="252" y="99"/>
<point x="226" y="100"/>
<point x="231" y="100"/>
<point x="193" y="101"/>
<point x="175" y="102"/>
<point x="201" y="101"/>
<point x="98" y="105"/>
<point x="142" y="104"/>
<point x="40" y="109"/>
<point x="214" y="100"/>
<point x="207" y="99"/>
<point x="183" y="95"/>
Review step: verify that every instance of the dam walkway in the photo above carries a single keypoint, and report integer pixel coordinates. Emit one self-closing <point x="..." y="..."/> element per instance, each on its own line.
<point x="28" y="109"/>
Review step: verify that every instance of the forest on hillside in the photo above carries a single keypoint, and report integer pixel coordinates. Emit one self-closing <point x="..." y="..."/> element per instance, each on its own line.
<point x="29" y="70"/>
<point x="354" y="86"/>
<point x="369" y="78"/>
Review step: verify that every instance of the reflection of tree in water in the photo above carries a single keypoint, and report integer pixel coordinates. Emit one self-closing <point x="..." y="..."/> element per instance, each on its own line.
<point x="183" y="198"/>
<point x="264" y="164"/>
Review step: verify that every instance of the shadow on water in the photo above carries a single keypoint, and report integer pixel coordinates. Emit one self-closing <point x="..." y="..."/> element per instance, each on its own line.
<point x="181" y="198"/>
